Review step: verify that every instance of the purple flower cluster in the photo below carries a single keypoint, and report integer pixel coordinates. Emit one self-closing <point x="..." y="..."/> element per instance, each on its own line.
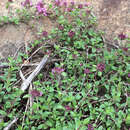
<point x="57" y="2"/>
<point x="74" y="56"/>
<point x="45" y="34"/>
<point x="101" y="67"/>
<point x="88" y="11"/>
<point x="27" y="2"/>
<point x="87" y="4"/>
<point x="41" y="8"/>
<point x="36" y="93"/>
<point x="57" y="70"/>
<point x="125" y="49"/>
<point x="71" y="34"/>
<point x="10" y="0"/>
<point x="129" y="75"/>
<point x="68" y="108"/>
<point x="69" y="9"/>
<point x="81" y="64"/>
<point x="65" y="3"/>
<point x="60" y="3"/>
<point x="90" y="127"/>
<point x="61" y="27"/>
<point x="86" y="71"/>
<point x="80" y="6"/>
<point x="72" y="3"/>
<point x="122" y="36"/>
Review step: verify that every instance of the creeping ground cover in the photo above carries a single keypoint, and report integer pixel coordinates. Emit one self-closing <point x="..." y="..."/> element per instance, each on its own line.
<point x="85" y="83"/>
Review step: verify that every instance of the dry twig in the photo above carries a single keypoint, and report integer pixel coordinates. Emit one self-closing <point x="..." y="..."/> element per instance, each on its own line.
<point x="26" y="82"/>
<point x="25" y="85"/>
<point x="11" y="123"/>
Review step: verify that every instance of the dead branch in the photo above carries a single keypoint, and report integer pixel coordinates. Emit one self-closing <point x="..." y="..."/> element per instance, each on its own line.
<point x="11" y="123"/>
<point x="26" y="82"/>
<point x="21" y="75"/>
<point x="25" y="85"/>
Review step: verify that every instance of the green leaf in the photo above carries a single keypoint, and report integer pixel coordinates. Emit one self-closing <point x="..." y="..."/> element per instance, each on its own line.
<point x="8" y="104"/>
<point x="78" y="96"/>
<point x="78" y="123"/>
<point x="101" y="128"/>
<point x="59" y="107"/>
<point x="26" y="96"/>
<point x="57" y="47"/>
<point x="49" y="123"/>
<point x="33" y="128"/>
<point x="68" y="99"/>
<point x="64" y="74"/>
<point x="86" y="121"/>
<point x="127" y="120"/>
<point x="128" y="101"/>
<point x="3" y="113"/>
<point x="99" y="73"/>
<point x="93" y="50"/>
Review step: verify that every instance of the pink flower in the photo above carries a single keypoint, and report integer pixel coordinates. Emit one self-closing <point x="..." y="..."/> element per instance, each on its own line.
<point x="61" y="27"/>
<point x="86" y="71"/>
<point x="68" y="108"/>
<point x="45" y="34"/>
<point x="122" y="36"/>
<point x="125" y="49"/>
<point x="88" y="11"/>
<point x="41" y="9"/>
<point x="57" y="70"/>
<point x="80" y="6"/>
<point x="64" y="3"/>
<point x="129" y="75"/>
<point x="90" y="127"/>
<point x="72" y="3"/>
<point x="101" y="67"/>
<point x="74" y="56"/>
<point x="36" y="93"/>
<point x="87" y="4"/>
<point x="81" y="64"/>
<point x="27" y="2"/>
<point x="69" y="9"/>
<point x="71" y="34"/>
<point x="10" y="0"/>
<point x="57" y="3"/>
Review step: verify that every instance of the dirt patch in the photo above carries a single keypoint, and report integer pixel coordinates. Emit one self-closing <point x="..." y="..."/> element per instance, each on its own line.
<point x="113" y="16"/>
<point x="13" y="37"/>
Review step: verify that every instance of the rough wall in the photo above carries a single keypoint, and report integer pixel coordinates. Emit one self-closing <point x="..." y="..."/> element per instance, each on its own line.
<point x="113" y="18"/>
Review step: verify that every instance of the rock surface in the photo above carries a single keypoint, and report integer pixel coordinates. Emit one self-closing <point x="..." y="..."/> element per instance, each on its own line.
<point x="113" y="18"/>
<point x="13" y="37"/>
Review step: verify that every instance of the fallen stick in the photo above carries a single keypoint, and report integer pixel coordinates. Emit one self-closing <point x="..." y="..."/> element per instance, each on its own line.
<point x="21" y="75"/>
<point x="10" y="124"/>
<point x="26" y="82"/>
